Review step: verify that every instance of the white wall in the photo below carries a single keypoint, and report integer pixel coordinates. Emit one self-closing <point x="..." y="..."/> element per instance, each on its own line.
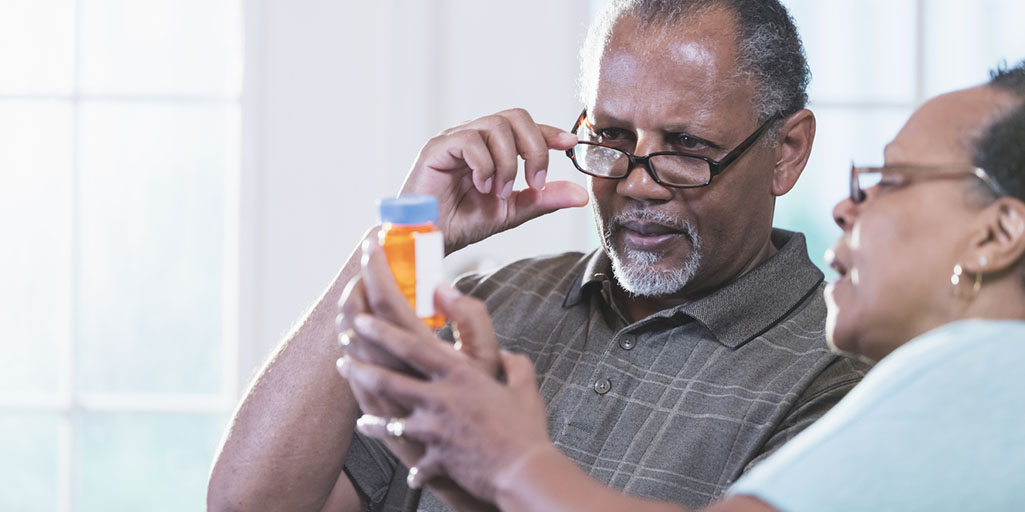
<point x="339" y="96"/>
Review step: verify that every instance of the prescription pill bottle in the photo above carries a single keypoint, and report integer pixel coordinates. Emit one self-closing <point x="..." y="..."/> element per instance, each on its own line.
<point x="414" y="247"/>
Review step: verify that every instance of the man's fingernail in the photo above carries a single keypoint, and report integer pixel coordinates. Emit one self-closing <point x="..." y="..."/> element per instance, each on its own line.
<point x="488" y="184"/>
<point x="539" y="179"/>
<point x="343" y="365"/>
<point x="507" y="191"/>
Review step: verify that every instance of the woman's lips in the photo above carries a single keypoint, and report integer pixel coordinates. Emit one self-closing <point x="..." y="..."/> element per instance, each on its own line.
<point x="834" y="260"/>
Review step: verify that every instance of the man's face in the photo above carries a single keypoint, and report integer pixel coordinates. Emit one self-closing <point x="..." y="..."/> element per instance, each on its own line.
<point x="674" y="90"/>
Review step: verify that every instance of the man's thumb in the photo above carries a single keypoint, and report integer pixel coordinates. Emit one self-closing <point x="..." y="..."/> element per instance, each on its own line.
<point x="531" y="203"/>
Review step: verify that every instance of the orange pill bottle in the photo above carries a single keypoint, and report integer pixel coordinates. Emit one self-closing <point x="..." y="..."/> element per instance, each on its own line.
<point x="414" y="247"/>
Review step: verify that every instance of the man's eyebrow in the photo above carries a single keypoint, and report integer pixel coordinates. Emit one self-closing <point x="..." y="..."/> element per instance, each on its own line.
<point x="605" y="118"/>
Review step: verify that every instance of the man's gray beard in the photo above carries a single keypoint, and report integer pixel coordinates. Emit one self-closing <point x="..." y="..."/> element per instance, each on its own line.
<point x="635" y="270"/>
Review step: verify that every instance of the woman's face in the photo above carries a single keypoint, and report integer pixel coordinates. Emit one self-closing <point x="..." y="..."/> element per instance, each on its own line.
<point x="900" y="245"/>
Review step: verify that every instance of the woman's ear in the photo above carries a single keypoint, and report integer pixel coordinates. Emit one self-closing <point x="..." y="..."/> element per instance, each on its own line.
<point x="1000" y="242"/>
<point x="795" y="140"/>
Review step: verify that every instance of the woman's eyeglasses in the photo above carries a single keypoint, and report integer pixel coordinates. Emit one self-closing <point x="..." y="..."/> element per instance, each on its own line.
<point x="864" y="178"/>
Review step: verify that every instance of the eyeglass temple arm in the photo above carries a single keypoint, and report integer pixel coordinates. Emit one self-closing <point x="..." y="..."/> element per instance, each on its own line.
<point x="580" y="120"/>
<point x="739" y="150"/>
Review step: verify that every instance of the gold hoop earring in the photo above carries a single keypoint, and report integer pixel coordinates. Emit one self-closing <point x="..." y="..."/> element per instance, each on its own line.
<point x="955" y="279"/>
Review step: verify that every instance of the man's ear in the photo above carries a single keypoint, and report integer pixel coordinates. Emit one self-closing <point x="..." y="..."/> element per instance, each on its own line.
<point x="795" y="140"/>
<point x="1000" y="240"/>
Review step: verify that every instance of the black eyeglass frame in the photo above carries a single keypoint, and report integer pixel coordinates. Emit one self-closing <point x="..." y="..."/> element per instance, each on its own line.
<point x="715" y="167"/>
<point x="857" y="194"/>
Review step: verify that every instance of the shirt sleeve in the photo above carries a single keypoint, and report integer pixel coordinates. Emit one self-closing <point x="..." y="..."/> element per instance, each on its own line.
<point x="828" y="388"/>
<point x="376" y="473"/>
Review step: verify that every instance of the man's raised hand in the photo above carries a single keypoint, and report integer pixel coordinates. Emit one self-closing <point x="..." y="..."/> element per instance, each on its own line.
<point x="471" y="169"/>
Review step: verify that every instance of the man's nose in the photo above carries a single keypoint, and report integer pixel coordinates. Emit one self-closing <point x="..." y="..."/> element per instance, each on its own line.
<point x="639" y="183"/>
<point x="844" y="213"/>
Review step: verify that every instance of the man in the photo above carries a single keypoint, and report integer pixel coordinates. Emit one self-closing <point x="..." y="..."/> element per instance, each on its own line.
<point x="931" y="285"/>
<point x="687" y="349"/>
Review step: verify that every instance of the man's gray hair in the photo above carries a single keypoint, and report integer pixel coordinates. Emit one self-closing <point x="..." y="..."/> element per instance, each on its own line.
<point x="769" y="48"/>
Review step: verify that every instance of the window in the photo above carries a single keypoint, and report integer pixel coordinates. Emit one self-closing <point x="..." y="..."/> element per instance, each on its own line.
<point x="119" y="164"/>
<point x="873" y="63"/>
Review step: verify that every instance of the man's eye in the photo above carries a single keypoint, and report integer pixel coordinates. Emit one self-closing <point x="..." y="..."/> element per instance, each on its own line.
<point x="610" y="134"/>
<point x="688" y="143"/>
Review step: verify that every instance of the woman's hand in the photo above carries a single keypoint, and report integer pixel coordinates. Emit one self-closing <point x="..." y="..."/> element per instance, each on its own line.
<point x="476" y="430"/>
<point x="374" y="292"/>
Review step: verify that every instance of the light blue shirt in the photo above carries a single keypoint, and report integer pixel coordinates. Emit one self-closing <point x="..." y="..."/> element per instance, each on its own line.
<point x="939" y="424"/>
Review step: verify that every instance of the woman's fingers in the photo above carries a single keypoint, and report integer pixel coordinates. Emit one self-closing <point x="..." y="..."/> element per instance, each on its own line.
<point x="383" y="296"/>
<point x="421" y="351"/>
<point x="371" y="380"/>
<point x="471" y="326"/>
<point x="418" y="426"/>
<point x="353" y="303"/>
<point x="428" y="468"/>
<point x="520" y="373"/>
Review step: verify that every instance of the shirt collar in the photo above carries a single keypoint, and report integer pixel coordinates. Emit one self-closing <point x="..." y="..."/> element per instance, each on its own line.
<point x="741" y="309"/>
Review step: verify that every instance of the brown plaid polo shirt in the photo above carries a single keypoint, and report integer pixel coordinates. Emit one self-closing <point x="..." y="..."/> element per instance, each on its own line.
<point x="673" y="407"/>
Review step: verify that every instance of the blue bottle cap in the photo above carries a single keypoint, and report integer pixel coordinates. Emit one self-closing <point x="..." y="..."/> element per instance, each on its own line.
<point x="411" y="209"/>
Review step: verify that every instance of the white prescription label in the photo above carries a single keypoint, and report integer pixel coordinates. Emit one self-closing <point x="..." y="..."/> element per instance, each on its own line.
<point x="428" y="250"/>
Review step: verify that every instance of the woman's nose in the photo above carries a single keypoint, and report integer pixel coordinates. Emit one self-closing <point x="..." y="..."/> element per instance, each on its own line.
<point x="844" y="212"/>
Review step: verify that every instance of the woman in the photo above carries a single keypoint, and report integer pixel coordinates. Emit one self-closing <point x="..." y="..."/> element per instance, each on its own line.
<point x="932" y="285"/>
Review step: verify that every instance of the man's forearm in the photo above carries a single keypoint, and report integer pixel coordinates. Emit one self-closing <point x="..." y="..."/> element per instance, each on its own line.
<point x="286" y="443"/>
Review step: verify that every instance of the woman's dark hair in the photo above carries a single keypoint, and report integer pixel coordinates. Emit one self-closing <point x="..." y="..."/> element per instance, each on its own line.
<point x="1000" y="149"/>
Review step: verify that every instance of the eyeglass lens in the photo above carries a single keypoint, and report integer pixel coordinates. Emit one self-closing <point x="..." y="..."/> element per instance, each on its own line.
<point x="671" y="169"/>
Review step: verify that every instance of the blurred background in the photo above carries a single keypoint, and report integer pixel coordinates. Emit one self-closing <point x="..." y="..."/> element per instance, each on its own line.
<point x="180" y="179"/>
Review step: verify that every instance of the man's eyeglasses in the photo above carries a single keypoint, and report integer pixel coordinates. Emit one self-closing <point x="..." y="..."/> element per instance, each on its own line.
<point x="667" y="168"/>
<point x="863" y="178"/>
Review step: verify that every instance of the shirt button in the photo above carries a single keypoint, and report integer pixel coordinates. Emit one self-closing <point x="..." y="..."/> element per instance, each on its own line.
<point x="627" y="342"/>
<point x="602" y="386"/>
